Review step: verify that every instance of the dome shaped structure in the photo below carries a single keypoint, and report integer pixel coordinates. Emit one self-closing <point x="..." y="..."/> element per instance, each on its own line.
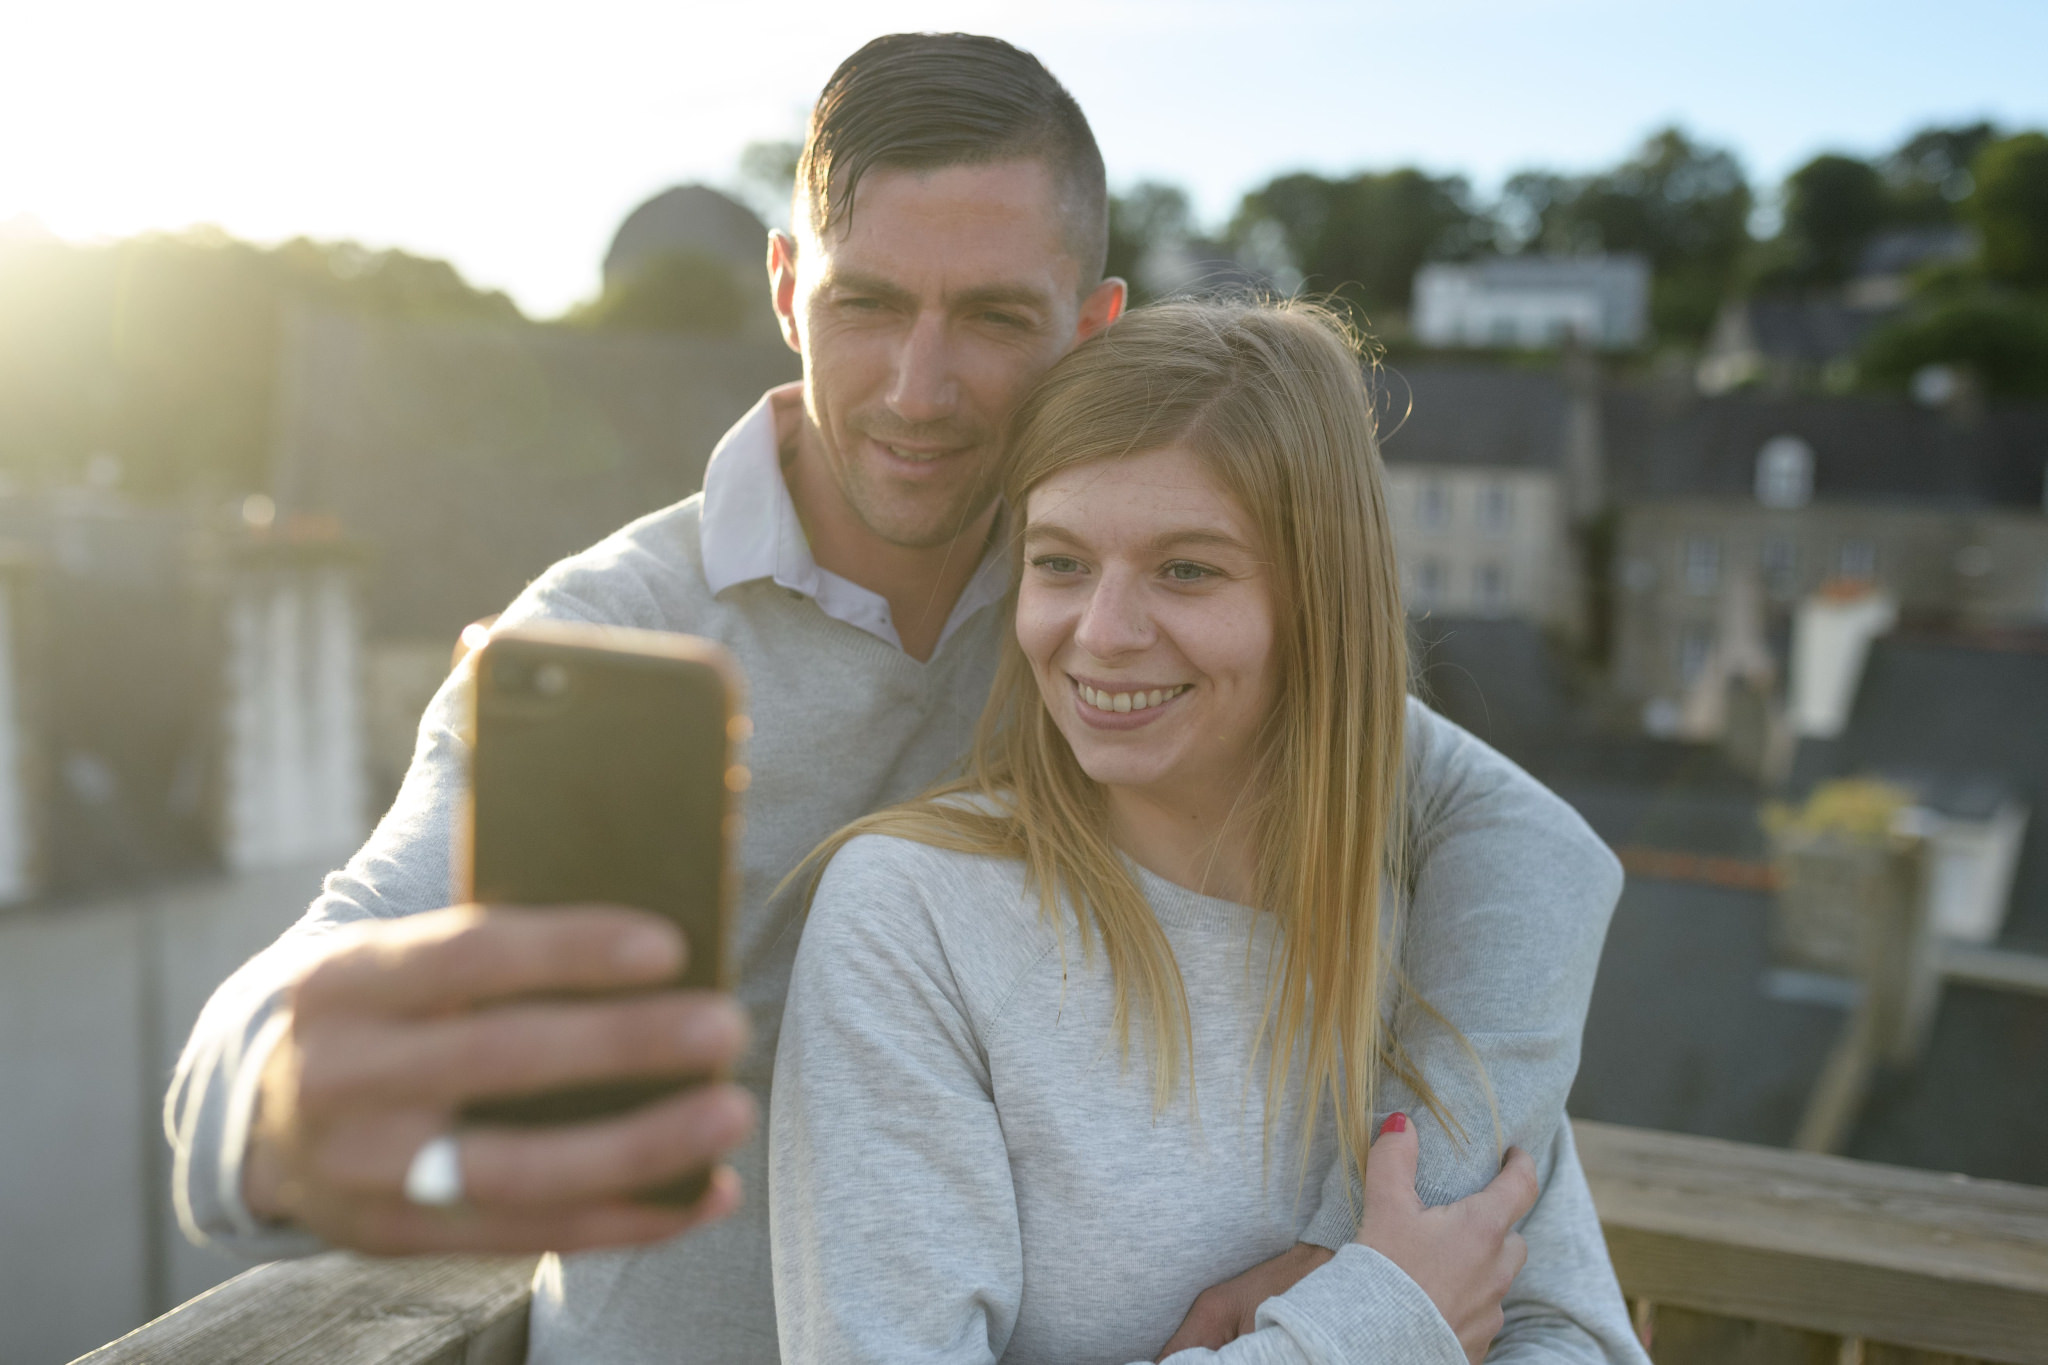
<point x="688" y="220"/>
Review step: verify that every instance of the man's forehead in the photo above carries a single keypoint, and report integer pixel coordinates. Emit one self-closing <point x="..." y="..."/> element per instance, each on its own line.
<point x="989" y="228"/>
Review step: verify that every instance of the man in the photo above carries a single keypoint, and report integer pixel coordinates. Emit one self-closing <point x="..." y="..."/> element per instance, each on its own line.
<point x="948" y="248"/>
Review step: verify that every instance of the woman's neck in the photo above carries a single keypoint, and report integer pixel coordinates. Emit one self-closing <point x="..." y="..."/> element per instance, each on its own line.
<point x="1204" y="846"/>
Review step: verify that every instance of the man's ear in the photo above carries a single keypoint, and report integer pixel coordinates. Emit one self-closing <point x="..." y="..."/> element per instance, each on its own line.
<point x="782" y="285"/>
<point x="1104" y="305"/>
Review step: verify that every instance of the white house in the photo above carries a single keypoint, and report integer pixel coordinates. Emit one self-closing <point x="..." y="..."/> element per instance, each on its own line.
<point x="1534" y="302"/>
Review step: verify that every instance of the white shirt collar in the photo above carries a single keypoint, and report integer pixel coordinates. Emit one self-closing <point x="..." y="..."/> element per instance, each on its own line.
<point x="751" y="532"/>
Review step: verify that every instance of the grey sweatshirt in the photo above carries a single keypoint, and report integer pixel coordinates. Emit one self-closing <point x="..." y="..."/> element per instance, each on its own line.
<point x="844" y="723"/>
<point x="964" y="1168"/>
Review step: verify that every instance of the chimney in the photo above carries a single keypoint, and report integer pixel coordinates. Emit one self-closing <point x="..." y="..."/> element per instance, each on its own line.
<point x="1831" y="635"/>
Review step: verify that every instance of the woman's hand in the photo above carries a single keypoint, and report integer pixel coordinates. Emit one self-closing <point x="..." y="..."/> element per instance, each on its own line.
<point x="1463" y="1255"/>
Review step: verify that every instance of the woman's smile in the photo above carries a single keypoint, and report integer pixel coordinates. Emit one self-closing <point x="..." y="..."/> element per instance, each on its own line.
<point x="1123" y="707"/>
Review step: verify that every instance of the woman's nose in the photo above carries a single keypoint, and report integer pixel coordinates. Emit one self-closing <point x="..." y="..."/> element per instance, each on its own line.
<point x="1115" y="620"/>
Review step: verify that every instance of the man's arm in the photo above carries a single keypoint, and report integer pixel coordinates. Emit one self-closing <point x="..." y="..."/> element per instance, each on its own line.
<point x="1565" y="1308"/>
<point x="315" y="1072"/>
<point x="1511" y="896"/>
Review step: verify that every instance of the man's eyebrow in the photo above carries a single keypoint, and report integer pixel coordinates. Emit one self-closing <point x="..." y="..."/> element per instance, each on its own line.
<point x="854" y="281"/>
<point x="1002" y="295"/>
<point x="998" y="295"/>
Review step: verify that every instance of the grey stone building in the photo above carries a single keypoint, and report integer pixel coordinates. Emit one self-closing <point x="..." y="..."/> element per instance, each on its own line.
<point x="1732" y="512"/>
<point x="1487" y="469"/>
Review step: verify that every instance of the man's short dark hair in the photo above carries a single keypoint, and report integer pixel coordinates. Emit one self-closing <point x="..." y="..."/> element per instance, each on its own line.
<point x="922" y="101"/>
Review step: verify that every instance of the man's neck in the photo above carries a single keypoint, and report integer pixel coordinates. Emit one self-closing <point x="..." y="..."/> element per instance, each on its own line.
<point x="920" y="584"/>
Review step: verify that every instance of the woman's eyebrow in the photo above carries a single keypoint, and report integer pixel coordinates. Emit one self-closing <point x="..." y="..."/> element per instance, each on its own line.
<point x="1216" y="539"/>
<point x="1049" y="530"/>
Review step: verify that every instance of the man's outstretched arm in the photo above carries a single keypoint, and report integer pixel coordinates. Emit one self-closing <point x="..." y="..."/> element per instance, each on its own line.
<point x="316" y="1071"/>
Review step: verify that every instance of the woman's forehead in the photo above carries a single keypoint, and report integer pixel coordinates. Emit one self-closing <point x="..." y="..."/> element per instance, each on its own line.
<point x="1171" y="487"/>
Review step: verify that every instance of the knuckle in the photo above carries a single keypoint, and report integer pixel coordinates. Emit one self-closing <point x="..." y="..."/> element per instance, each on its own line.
<point x="323" y="1082"/>
<point x="646" y="1035"/>
<point x="648" y="1151"/>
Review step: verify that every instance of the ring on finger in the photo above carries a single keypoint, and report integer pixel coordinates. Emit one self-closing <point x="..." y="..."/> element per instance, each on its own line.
<point x="434" y="1179"/>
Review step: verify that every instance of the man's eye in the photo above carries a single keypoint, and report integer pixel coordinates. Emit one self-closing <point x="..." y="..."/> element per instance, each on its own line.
<point x="1005" y="320"/>
<point x="1061" y="564"/>
<point x="1181" y="571"/>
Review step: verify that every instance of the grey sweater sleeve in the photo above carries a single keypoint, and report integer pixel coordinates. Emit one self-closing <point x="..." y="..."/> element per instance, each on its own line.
<point x="1511" y="896"/>
<point x="403" y="869"/>
<point x="1565" y="1308"/>
<point x="892" y="1209"/>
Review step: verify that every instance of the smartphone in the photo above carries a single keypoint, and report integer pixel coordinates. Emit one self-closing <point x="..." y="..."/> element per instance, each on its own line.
<point x="603" y="771"/>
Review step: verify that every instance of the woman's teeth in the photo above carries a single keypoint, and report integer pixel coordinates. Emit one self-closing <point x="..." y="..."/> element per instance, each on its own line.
<point x="1127" y="701"/>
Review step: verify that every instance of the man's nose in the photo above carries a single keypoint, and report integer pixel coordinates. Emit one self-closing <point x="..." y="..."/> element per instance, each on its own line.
<point x="1115" y="620"/>
<point x="924" y="388"/>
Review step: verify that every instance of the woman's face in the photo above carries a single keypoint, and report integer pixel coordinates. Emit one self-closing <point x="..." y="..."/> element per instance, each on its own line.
<point x="1146" y="610"/>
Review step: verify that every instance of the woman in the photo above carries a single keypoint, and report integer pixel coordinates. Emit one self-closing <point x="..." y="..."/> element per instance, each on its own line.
<point x="1046" y="1072"/>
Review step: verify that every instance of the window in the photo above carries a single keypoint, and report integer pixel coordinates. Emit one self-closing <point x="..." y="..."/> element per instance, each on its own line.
<point x="1702" y="565"/>
<point x="1694" y="644"/>
<point x="1784" y="473"/>
<point x="1433" y="504"/>
<point x="1430" y="581"/>
<point x="1780" y="563"/>
<point x="1496" y="508"/>
<point x="1858" y="559"/>
<point x="1493" y="589"/>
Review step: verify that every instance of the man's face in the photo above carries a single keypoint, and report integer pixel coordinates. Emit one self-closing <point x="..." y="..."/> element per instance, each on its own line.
<point x="922" y="325"/>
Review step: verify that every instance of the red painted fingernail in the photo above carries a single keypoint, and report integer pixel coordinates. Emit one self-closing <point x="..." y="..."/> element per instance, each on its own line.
<point x="1396" y="1123"/>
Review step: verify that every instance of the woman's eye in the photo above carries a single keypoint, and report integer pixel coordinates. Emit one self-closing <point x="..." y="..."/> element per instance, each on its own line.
<point x="1057" y="564"/>
<point x="1180" y="571"/>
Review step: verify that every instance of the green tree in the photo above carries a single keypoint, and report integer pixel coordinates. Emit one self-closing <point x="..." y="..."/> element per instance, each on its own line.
<point x="1362" y="237"/>
<point x="2003" y="342"/>
<point x="1928" y="175"/>
<point x="162" y="350"/>
<point x="2009" y="206"/>
<point x="1682" y="204"/>
<point x="682" y="291"/>
<point x="767" y="178"/>
<point x="1834" y="205"/>
<point x="1148" y="216"/>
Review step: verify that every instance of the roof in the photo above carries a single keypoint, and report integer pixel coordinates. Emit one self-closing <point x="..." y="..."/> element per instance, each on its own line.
<point x="1620" y="269"/>
<point x="687" y="219"/>
<point x="1898" y="250"/>
<point x="1809" y="331"/>
<point x="1471" y="414"/>
<point x="1955" y="713"/>
<point x="1663" y="443"/>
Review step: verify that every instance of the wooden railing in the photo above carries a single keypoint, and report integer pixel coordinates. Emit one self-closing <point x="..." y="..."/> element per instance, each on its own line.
<point x="1728" y="1253"/>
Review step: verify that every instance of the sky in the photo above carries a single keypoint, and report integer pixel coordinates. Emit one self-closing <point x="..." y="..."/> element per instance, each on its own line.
<point x="512" y="137"/>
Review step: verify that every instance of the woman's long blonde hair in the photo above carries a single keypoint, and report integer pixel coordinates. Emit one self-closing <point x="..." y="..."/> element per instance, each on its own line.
<point x="1273" y="398"/>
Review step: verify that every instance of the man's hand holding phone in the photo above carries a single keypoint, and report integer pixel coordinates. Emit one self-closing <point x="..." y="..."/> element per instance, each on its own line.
<point x="404" y="1022"/>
